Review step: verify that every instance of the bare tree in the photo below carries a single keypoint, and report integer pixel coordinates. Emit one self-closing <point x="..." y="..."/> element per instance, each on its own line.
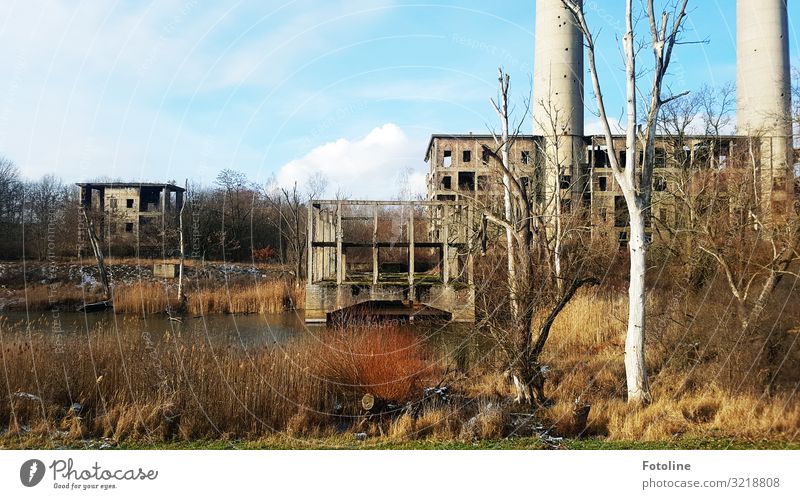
<point x="722" y="220"/>
<point x="634" y="180"/>
<point x="504" y="145"/>
<point x="795" y="104"/>
<point x="10" y="209"/>
<point x="534" y="294"/>
<point x="291" y="222"/>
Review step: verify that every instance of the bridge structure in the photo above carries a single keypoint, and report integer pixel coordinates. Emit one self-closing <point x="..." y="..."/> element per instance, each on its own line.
<point x="407" y="260"/>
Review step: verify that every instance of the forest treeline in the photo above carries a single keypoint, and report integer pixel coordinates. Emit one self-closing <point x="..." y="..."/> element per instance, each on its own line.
<point x="234" y="219"/>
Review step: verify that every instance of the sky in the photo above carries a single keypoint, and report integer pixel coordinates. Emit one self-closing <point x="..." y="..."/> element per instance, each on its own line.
<point x="284" y="90"/>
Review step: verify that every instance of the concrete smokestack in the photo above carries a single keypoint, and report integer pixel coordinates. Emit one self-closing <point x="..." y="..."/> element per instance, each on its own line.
<point x="558" y="99"/>
<point x="557" y="70"/>
<point x="763" y="82"/>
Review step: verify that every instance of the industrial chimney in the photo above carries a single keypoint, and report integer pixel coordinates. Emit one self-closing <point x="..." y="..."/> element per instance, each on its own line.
<point x="763" y="88"/>
<point x="558" y="89"/>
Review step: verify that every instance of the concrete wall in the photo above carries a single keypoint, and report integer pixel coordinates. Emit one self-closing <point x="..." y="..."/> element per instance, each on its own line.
<point x="120" y="215"/>
<point x="457" y="145"/>
<point x="327" y="297"/>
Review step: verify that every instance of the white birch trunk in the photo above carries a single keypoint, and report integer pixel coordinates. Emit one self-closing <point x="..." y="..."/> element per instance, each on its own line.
<point x="508" y="211"/>
<point x="635" y="372"/>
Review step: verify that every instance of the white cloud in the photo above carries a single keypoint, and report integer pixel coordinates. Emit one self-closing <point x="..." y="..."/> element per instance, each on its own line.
<point x="384" y="164"/>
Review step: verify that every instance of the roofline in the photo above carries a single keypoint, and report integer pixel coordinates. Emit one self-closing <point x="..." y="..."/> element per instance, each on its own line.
<point x="132" y="184"/>
<point x="464" y="136"/>
<point x="588" y="138"/>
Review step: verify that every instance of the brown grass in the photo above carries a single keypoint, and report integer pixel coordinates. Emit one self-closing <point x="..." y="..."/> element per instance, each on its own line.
<point x="262" y="298"/>
<point x="256" y="298"/>
<point x="49" y="296"/>
<point x="155" y="387"/>
<point x="705" y="379"/>
<point x="390" y="363"/>
<point x="159" y="387"/>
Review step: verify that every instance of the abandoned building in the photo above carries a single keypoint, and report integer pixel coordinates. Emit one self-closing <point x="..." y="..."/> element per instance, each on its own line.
<point x="560" y="159"/>
<point x="405" y="260"/>
<point x="128" y="209"/>
<point x="460" y="170"/>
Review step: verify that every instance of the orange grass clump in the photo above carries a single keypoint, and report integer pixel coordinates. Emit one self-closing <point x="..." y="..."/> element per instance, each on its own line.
<point x="389" y="363"/>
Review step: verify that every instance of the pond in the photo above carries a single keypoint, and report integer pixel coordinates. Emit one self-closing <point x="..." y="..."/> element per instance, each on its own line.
<point x="455" y="342"/>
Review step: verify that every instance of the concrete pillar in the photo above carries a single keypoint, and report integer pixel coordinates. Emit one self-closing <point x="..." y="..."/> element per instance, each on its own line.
<point x="411" y="248"/>
<point x="375" y="264"/>
<point x="310" y="226"/>
<point x="763" y="80"/>
<point x="445" y="245"/>
<point x="339" y="252"/>
<point x="558" y="100"/>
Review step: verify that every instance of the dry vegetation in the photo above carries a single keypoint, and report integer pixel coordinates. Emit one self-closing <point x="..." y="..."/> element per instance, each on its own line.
<point x="153" y="297"/>
<point x="267" y="297"/>
<point x="706" y="383"/>
<point x="211" y="288"/>
<point x="159" y="387"/>
<point x="706" y="380"/>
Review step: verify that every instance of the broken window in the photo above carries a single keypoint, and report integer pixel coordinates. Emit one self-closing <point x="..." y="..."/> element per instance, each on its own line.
<point x="565" y="181"/>
<point x="447" y="182"/>
<point x="538" y="184"/>
<point x="702" y="155"/>
<point x="600" y="158"/>
<point x="660" y="159"/>
<point x="466" y="181"/>
<point x="622" y="159"/>
<point x="483" y="183"/>
<point x="620" y="212"/>
<point x="526" y="157"/>
<point x="129" y="203"/>
<point x="602" y="184"/>
<point x="113" y="203"/>
<point x="466" y="156"/>
<point x="485" y="155"/>
<point x="623" y="239"/>
<point x="129" y="227"/>
<point x="660" y="184"/>
<point x="448" y="158"/>
<point x="603" y="212"/>
<point x="779" y="183"/>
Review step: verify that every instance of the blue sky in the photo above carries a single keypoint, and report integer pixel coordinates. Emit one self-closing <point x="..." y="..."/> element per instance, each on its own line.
<point x="175" y="89"/>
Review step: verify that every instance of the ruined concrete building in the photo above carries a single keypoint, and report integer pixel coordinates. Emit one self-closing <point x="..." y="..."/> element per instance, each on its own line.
<point x="559" y="157"/>
<point x="128" y="209"/>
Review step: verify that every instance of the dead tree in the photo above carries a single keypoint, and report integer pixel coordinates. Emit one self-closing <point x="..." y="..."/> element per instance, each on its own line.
<point x="181" y="296"/>
<point x="636" y="181"/>
<point x="98" y="254"/>
<point x="290" y="205"/>
<point x="532" y="289"/>
<point x="503" y="145"/>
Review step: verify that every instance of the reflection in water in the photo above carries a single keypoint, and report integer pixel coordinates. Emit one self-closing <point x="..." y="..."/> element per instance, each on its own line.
<point x="246" y="330"/>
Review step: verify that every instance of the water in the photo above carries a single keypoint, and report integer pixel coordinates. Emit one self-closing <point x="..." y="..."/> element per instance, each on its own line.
<point x="247" y="330"/>
<point x="453" y="343"/>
